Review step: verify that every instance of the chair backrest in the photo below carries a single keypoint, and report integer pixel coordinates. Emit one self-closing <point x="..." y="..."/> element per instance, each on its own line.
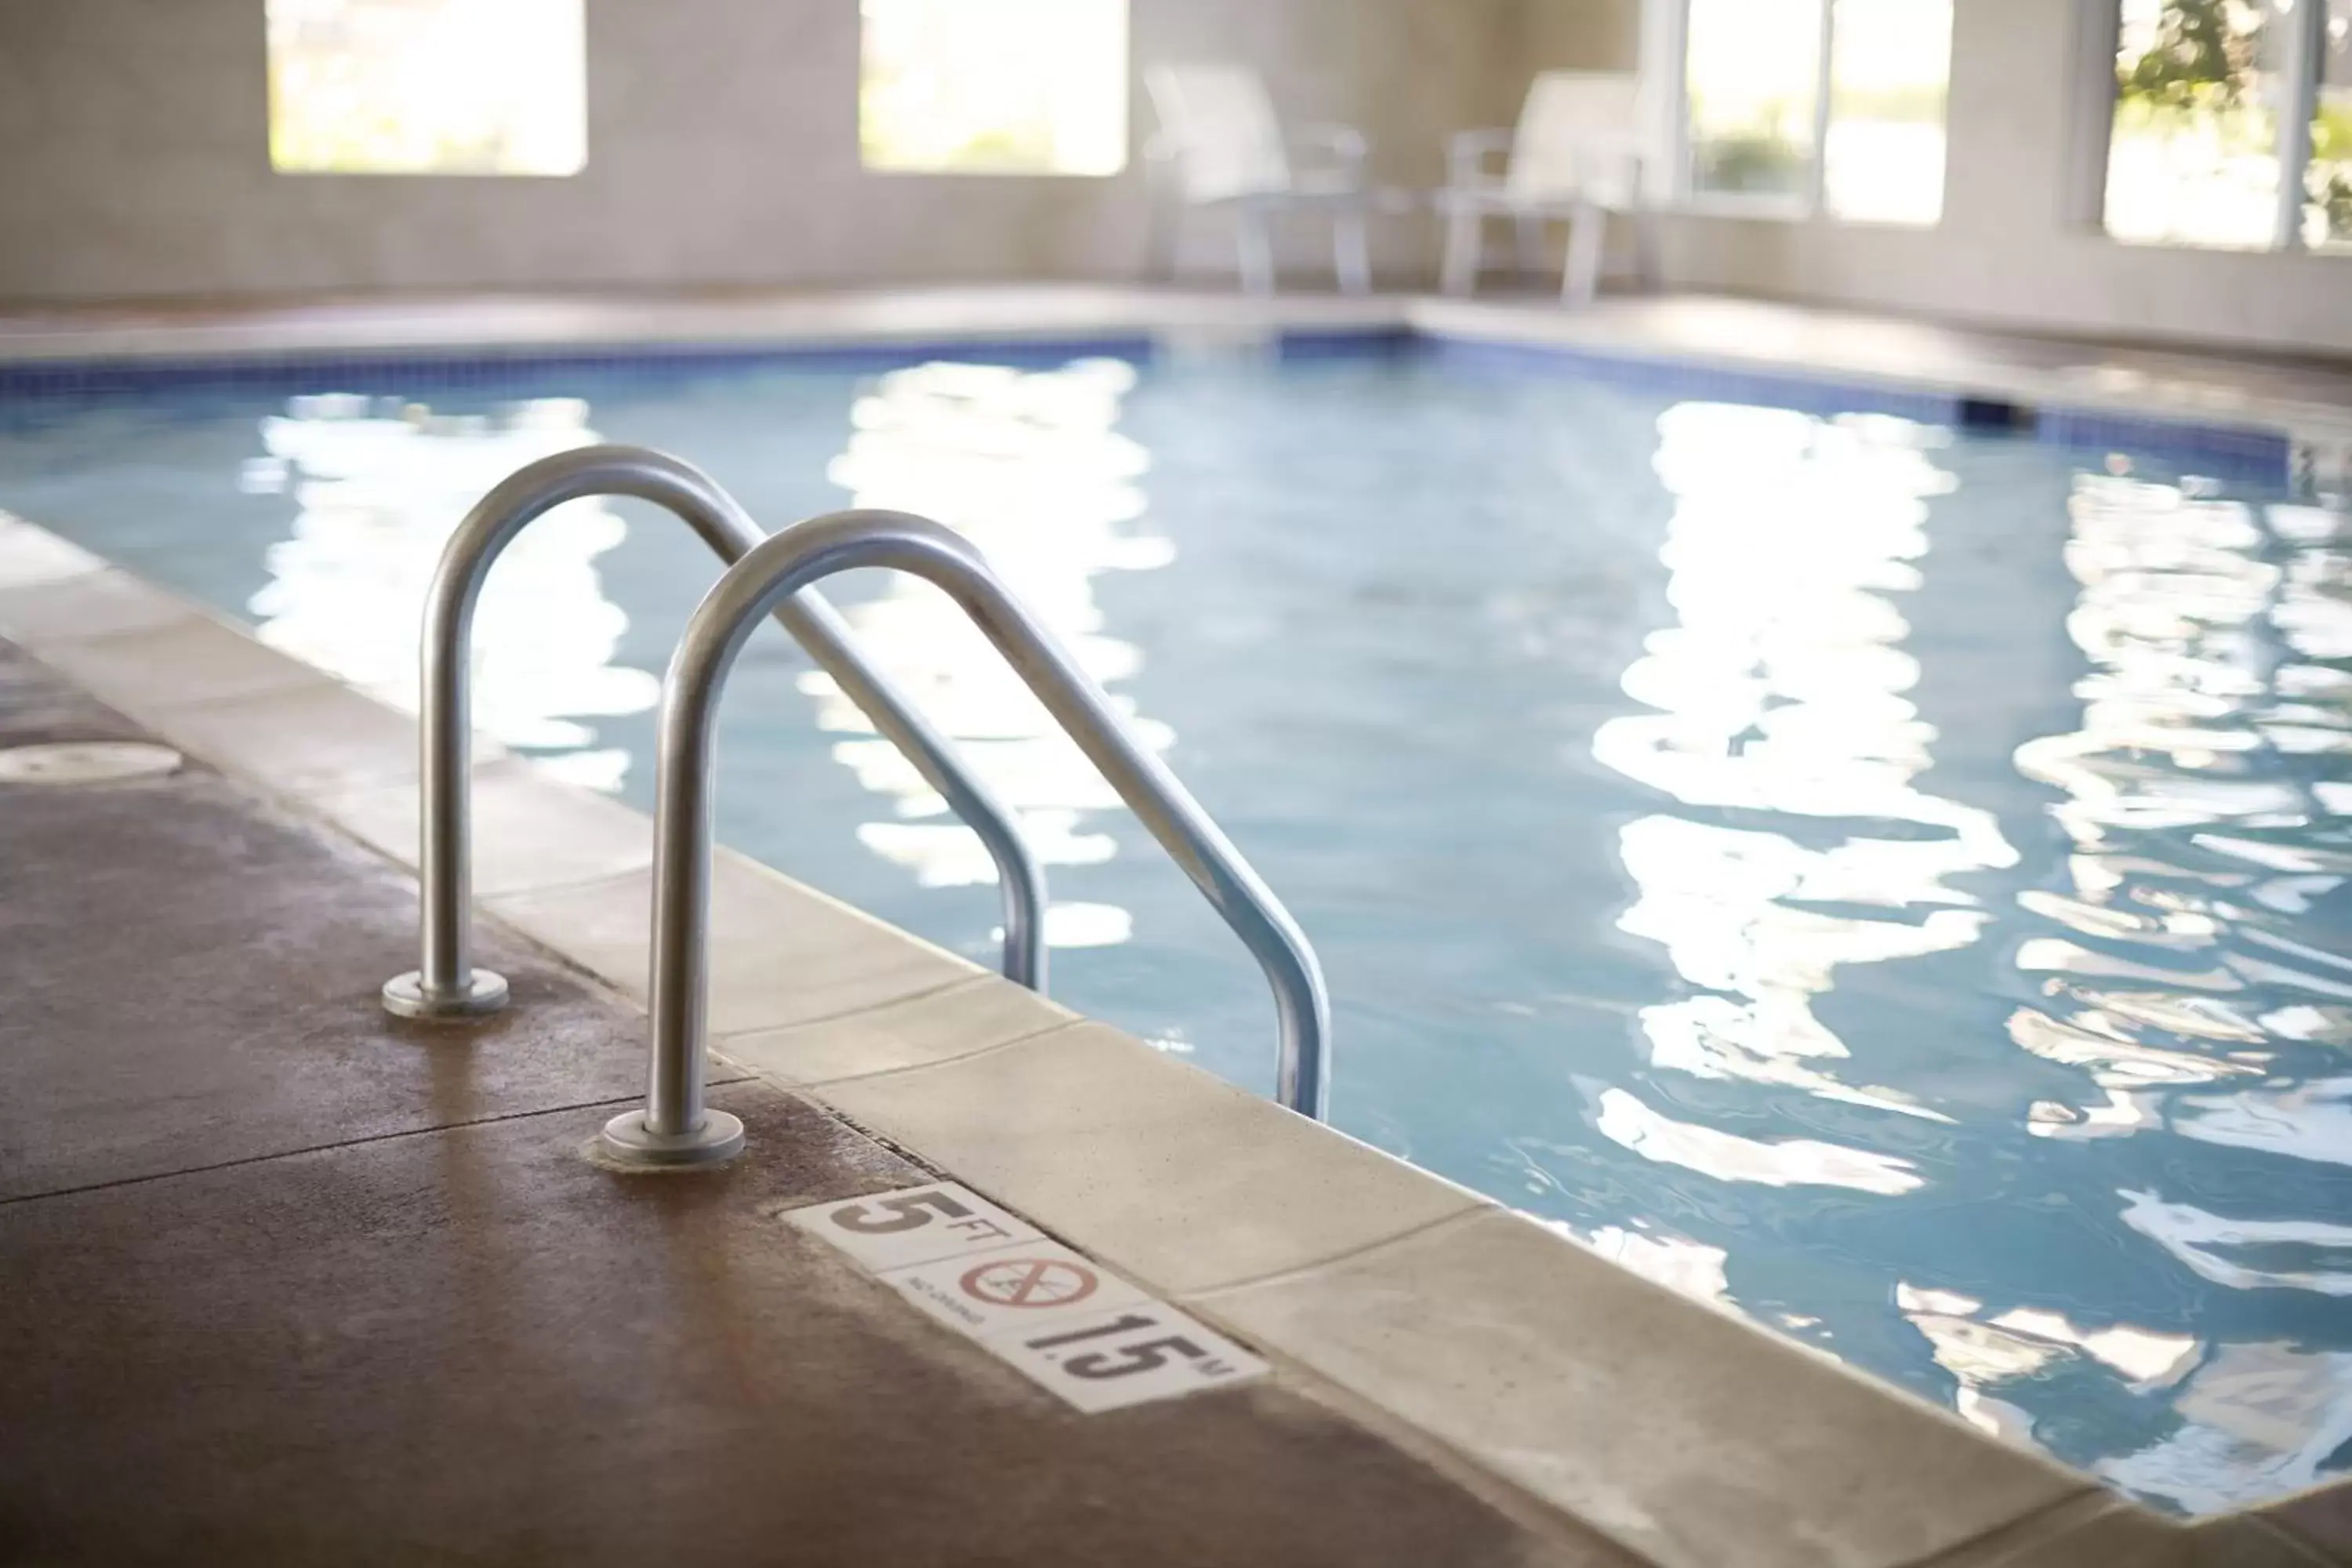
<point x="1219" y="125"/>
<point x="1575" y="134"/>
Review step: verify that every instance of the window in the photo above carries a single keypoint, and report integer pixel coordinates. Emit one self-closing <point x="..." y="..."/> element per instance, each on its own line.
<point x="1751" y="80"/>
<point x="993" y="87"/>
<point x="2327" y="182"/>
<point x="1760" y="129"/>
<point x="428" y="87"/>
<point x="1889" y="63"/>
<point x="2232" y="123"/>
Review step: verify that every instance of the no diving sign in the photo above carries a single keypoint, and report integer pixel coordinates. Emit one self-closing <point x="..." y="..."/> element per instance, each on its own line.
<point x="1011" y="1287"/>
<point x="1029" y="1282"/>
<point x="1058" y="1316"/>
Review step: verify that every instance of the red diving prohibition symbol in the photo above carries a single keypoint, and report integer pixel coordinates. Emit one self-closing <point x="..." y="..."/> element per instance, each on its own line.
<point x="1028" y="1282"/>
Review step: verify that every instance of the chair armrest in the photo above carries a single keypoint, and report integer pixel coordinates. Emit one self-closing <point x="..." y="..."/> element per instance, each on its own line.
<point x="1467" y="153"/>
<point x="1343" y="150"/>
<point x="1626" y="156"/>
<point x="1344" y="142"/>
<point x="1163" y="148"/>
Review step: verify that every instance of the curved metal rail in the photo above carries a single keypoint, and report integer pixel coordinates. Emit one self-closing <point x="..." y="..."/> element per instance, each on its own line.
<point x="446" y="985"/>
<point x="675" y="1127"/>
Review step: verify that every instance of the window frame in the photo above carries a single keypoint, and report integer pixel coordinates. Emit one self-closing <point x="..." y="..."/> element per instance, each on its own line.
<point x="2097" y="91"/>
<point x="1666" y="38"/>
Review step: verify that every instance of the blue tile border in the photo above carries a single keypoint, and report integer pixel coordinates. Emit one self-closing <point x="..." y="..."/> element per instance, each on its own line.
<point x="1691" y="378"/>
<point x="1342" y="342"/>
<point x="2220" y="451"/>
<point x="2236" y="452"/>
<point x="390" y="369"/>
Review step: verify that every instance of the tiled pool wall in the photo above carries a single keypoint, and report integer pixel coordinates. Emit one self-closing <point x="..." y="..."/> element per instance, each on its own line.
<point x="2249" y="454"/>
<point x="395" y="370"/>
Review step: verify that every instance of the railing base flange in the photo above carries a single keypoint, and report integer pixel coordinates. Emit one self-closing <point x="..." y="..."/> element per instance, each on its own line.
<point x="404" y="995"/>
<point x="625" y="1141"/>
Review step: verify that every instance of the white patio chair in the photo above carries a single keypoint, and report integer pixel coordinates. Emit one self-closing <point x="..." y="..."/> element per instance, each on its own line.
<point x="1583" y="149"/>
<point x="1220" y="146"/>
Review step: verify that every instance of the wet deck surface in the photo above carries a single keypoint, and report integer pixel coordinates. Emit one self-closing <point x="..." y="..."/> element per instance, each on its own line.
<point x="288" y="1280"/>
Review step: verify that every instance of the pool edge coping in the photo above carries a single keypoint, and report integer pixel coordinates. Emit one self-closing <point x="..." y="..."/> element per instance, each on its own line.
<point x="892" y="1054"/>
<point x="2143" y="408"/>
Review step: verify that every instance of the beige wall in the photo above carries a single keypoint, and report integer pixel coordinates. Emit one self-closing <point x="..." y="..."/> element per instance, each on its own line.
<point x="133" y="154"/>
<point x="722" y="150"/>
<point x="1578" y="35"/>
<point x="2007" y="253"/>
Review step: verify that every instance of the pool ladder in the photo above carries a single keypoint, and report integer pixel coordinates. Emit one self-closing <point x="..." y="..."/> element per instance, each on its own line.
<point x="776" y="574"/>
<point x="446" y="983"/>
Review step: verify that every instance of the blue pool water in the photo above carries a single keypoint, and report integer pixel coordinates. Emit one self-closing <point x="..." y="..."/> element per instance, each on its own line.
<point x="1888" y="882"/>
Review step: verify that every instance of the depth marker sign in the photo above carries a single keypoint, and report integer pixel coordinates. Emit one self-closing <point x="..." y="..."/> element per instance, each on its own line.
<point x="1053" y="1314"/>
<point x="891" y="1230"/>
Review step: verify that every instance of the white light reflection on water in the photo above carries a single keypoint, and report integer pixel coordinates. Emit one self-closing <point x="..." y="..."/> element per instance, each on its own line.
<point x="2247" y="1254"/>
<point x="1983" y="1351"/>
<point x="2202" y="832"/>
<point x="1780" y="691"/>
<point x="379" y="486"/>
<point x="2195" y="704"/>
<point x="1623" y="1119"/>
<point x="1687" y="1268"/>
<point x="2259" y="1420"/>
<point x="2306" y="1121"/>
<point x="1027" y="465"/>
<point x="2178" y="962"/>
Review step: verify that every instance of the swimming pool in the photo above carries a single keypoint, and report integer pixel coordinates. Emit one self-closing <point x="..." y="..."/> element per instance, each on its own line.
<point x="1888" y="880"/>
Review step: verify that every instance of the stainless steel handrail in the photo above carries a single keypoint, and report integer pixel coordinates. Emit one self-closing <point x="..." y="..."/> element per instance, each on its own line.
<point x="446" y="983"/>
<point x="675" y="1127"/>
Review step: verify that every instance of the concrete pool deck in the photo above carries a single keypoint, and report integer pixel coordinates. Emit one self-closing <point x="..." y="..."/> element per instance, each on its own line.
<point x="291" y="1281"/>
<point x="403" y="1257"/>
